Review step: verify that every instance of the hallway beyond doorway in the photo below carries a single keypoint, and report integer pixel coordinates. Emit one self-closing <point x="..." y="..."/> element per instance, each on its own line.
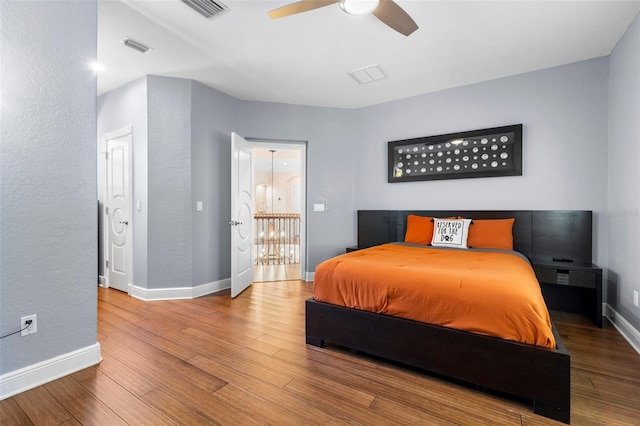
<point x="266" y="273"/>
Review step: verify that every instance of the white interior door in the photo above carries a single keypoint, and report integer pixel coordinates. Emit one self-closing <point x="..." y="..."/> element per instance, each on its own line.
<point x="118" y="209"/>
<point x="242" y="203"/>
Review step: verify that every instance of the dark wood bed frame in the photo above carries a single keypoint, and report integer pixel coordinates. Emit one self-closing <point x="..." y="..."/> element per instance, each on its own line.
<point x="537" y="374"/>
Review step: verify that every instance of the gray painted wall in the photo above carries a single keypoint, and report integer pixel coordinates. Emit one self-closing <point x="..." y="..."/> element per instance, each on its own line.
<point x="564" y="113"/>
<point x="624" y="175"/>
<point x="127" y="106"/>
<point x="214" y="116"/>
<point x="170" y="259"/>
<point x="330" y="134"/>
<point x="181" y="154"/>
<point x="48" y="211"/>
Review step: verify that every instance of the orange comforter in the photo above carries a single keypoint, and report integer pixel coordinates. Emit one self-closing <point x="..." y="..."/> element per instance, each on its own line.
<point x="486" y="292"/>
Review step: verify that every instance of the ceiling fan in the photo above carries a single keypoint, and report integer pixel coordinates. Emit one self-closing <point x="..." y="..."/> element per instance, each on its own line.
<point x="387" y="11"/>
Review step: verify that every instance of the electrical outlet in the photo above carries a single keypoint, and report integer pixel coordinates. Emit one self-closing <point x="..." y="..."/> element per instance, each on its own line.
<point x="635" y="298"/>
<point x="31" y="328"/>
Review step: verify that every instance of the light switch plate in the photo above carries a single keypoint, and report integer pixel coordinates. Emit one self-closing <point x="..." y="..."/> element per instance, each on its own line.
<point x="199" y="206"/>
<point x="319" y="207"/>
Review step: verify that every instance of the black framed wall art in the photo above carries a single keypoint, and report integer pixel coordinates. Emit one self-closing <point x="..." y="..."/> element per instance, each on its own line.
<point x="496" y="151"/>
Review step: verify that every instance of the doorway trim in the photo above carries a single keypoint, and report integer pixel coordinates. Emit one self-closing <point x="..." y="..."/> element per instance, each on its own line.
<point x="115" y="134"/>
<point x="293" y="145"/>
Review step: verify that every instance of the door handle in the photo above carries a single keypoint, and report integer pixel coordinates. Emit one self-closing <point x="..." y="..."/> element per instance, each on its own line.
<point x="235" y="223"/>
<point x="126" y="222"/>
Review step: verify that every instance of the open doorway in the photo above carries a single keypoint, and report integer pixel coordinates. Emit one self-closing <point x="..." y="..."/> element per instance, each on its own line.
<point x="279" y="179"/>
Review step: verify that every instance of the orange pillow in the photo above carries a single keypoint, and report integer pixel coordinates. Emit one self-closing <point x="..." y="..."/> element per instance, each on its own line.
<point x="419" y="229"/>
<point x="491" y="233"/>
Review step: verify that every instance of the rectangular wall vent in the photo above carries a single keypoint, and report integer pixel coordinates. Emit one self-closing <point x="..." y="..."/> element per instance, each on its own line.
<point x="208" y="8"/>
<point x="135" y="45"/>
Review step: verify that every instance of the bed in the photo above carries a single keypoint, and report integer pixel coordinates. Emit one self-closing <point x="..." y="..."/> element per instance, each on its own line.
<point x="527" y="370"/>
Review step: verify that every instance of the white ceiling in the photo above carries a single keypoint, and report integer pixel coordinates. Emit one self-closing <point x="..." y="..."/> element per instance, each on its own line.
<point x="280" y="161"/>
<point x="305" y="59"/>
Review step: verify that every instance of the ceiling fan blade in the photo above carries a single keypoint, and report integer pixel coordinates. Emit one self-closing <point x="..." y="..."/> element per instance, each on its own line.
<point x="299" y="7"/>
<point x="394" y="16"/>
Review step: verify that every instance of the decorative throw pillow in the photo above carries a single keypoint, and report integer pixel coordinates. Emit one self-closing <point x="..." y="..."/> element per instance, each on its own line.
<point x="491" y="233"/>
<point x="450" y="233"/>
<point x="419" y="229"/>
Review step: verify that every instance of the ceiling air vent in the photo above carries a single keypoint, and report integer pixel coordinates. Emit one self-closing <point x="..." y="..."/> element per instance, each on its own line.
<point x="208" y="8"/>
<point x="368" y="74"/>
<point x="136" y="45"/>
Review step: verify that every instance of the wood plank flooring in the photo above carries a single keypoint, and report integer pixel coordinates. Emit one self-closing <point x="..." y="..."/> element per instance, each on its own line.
<point x="268" y="273"/>
<point x="217" y="361"/>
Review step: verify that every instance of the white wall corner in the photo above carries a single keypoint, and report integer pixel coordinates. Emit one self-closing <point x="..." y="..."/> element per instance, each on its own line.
<point x="623" y="326"/>
<point x="38" y="374"/>
<point x="176" y="293"/>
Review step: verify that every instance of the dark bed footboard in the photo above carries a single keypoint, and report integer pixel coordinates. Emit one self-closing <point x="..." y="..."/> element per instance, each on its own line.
<point x="536" y="374"/>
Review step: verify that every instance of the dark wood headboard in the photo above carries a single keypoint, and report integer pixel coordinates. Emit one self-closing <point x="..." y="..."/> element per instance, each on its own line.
<point x="540" y="235"/>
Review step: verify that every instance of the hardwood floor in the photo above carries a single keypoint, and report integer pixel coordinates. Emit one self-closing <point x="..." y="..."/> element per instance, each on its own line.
<point x="269" y="273"/>
<point x="214" y="360"/>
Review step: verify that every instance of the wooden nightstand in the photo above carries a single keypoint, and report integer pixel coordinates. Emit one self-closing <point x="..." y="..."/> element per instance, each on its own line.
<point x="571" y="287"/>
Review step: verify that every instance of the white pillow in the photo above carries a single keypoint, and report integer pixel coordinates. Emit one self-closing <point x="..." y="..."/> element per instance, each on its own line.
<point x="450" y="233"/>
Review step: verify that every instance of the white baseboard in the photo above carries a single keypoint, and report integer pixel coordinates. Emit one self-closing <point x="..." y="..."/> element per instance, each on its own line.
<point x="175" y="293"/>
<point x="149" y="294"/>
<point x="102" y="280"/>
<point x="29" y="377"/>
<point x="623" y="326"/>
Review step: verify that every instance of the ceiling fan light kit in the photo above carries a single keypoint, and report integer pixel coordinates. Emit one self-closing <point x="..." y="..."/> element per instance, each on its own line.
<point x="386" y="11"/>
<point x="359" y="7"/>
